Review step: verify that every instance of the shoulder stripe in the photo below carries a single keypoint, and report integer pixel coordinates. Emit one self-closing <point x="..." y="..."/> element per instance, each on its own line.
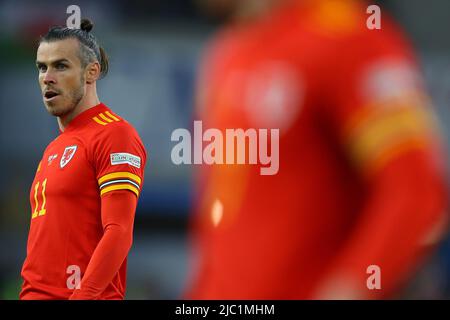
<point x="109" y="114"/>
<point x="118" y="175"/>
<point x="99" y="121"/>
<point x="119" y="187"/>
<point x="105" y="118"/>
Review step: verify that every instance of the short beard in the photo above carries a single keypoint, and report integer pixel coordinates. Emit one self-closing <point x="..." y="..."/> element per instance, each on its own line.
<point x="75" y="98"/>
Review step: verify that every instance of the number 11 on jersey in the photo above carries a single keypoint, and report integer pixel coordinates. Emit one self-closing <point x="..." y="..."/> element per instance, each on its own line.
<point x="42" y="211"/>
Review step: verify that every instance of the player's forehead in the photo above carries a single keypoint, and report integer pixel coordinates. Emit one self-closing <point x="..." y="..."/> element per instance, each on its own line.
<point x="51" y="51"/>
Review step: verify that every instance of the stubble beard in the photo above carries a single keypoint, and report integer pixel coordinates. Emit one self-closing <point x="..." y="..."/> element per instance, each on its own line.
<point x="67" y="108"/>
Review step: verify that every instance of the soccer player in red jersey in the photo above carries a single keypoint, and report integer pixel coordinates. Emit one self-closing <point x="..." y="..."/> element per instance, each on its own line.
<point x="85" y="192"/>
<point x="359" y="197"/>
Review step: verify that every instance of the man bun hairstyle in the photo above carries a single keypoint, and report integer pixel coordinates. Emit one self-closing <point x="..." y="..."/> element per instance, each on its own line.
<point x="90" y="50"/>
<point x="86" y="25"/>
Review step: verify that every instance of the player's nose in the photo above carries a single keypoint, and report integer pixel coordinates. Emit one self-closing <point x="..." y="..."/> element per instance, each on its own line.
<point x="49" y="78"/>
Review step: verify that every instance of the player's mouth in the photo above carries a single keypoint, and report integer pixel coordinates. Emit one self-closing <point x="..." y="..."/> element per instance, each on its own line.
<point x="50" y="95"/>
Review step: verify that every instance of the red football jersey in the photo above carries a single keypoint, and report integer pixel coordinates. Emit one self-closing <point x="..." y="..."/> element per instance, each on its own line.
<point x="98" y="152"/>
<point x="358" y="183"/>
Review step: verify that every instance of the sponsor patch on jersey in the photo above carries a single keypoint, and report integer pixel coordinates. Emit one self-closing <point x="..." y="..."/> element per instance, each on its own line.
<point x="392" y="80"/>
<point x="125" y="158"/>
<point x="68" y="154"/>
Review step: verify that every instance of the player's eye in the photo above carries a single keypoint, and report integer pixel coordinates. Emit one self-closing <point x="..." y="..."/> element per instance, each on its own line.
<point x="42" y="68"/>
<point x="61" y="66"/>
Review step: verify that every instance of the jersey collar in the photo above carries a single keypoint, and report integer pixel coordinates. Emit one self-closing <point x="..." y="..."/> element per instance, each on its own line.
<point x="84" y="117"/>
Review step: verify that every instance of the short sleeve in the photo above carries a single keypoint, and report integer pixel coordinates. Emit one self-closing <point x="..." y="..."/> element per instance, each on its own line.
<point x="119" y="160"/>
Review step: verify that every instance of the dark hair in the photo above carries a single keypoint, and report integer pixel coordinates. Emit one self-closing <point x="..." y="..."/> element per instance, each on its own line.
<point x="89" y="48"/>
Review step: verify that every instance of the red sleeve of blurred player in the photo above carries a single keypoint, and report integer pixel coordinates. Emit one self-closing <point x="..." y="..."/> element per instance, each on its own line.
<point x="385" y="124"/>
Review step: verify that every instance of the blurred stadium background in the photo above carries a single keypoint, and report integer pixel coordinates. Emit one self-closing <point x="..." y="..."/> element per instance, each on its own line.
<point x="154" y="50"/>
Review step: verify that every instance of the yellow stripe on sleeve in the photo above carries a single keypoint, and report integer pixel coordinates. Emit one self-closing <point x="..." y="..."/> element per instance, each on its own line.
<point x="419" y="143"/>
<point x="116" y="175"/>
<point x="382" y="136"/>
<point x="119" y="187"/>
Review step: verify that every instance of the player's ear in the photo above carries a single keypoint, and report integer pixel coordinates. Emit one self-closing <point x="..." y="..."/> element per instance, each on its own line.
<point x="92" y="72"/>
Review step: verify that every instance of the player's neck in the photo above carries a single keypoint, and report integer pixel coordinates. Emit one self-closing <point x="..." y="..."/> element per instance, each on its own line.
<point x="89" y="100"/>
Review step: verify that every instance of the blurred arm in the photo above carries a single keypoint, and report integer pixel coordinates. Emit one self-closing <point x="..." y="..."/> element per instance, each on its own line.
<point x="404" y="214"/>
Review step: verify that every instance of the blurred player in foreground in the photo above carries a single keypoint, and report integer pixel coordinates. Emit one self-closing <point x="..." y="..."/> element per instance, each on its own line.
<point x="84" y="195"/>
<point x="360" y="186"/>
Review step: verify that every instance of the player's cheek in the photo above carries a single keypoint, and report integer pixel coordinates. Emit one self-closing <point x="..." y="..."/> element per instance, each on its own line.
<point x="41" y="80"/>
<point x="68" y="82"/>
